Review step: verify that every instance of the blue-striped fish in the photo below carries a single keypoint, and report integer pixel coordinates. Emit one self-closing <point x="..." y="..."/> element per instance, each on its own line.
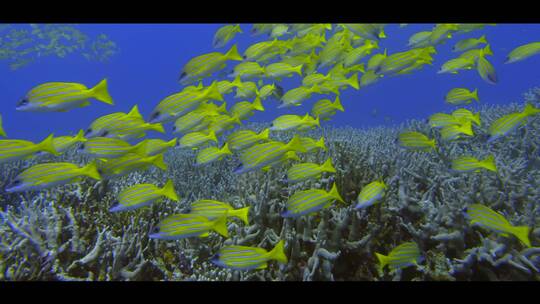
<point x="222" y="123"/>
<point x="226" y="87"/>
<point x="523" y="52"/>
<point x="181" y="103"/>
<point x="301" y="45"/>
<point x="279" y="30"/>
<point x="63" y="143"/>
<point x="261" y="28"/>
<point x="469" y="163"/>
<point x="486" y="70"/>
<point x="454" y="65"/>
<point x="259" y="50"/>
<point x="179" y="226"/>
<point x="15" y="149"/>
<point x="325" y="109"/>
<point x="63" y="96"/>
<point x="105" y="147"/>
<point x="404" y="255"/>
<point x="270" y="90"/>
<point x="225" y="34"/>
<point x="194" y="119"/>
<point x="127" y="129"/>
<point x="355" y="55"/>
<point x="442" y="32"/>
<point x="464" y="114"/>
<point x="99" y="126"/>
<point x="43" y="176"/>
<point x="247" y="90"/>
<point x="310" y="144"/>
<point x="243" y="139"/>
<point x="248" y="70"/>
<point x="370" y="77"/>
<point x="439" y="120"/>
<point x="295" y="96"/>
<point x="305" y="171"/>
<point x="213" y="209"/>
<point x="129" y="163"/>
<point x="510" y="122"/>
<point x="333" y="51"/>
<point x="261" y="155"/>
<point x="294" y="122"/>
<point x="141" y="195"/>
<point x="211" y="154"/>
<point x="312" y="29"/>
<point x="244" y="109"/>
<point x="402" y="60"/>
<point x="158" y="146"/>
<point x="474" y="54"/>
<point x="375" y="60"/>
<point x="315" y="78"/>
<point x="204" y="65"/>
<point x="483" y="216"/>
<point x="284" y="159"/>
<point x="371" y="194"/>
<point x="420" y="39"/>
<point x="373" y="31"/>
<point x="246" y="258"/>
<point x="310" y="201"/>
<point x="470" y="43"/>
<point x="279" y="70"/>
<point x="456" y="131"/>
<point x="196" y="139"/>
<point x="416" y="141"/>
<point x="461" y="96"/>
<point x="2" y="131"/>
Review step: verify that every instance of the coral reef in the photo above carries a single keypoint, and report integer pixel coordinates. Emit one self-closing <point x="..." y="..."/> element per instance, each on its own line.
<point x="67" y="233"/>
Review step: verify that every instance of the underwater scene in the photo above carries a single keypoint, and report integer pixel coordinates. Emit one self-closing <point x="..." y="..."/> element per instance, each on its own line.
<point x="270" y="152"/>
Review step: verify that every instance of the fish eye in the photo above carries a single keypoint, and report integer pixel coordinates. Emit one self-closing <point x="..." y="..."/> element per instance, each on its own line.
<point x="183" y="75"/>
<point x="82" y="146"/>
<point x="105" y="133"/>
<point x="155" y="115"/>
<point x="23" y="102"/>
<point x="115" y="204"/>
<point x="174" y="128"/>
<point x="155" y="230"/>
<point x="88" y="131"/>
<point x="16" y="182"/>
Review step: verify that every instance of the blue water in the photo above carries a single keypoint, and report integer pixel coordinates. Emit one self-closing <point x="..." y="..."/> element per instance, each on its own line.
<point x="151" y="55"/>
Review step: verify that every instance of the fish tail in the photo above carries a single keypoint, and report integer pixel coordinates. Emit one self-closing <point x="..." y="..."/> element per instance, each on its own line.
<point x="91" y="171"/>
<point x="212" y="136"/>
<point x="233" y="54"/>
<point x="320" y="143"/>
<point x="335" y="194"/>
<point x="467" y="128"/>
<point x="220" y="226"/>
<point x="2" y="132"/>
<point x="327" y="166"/>
<point x="134" y="112"/>
<point x="168" y="191"/>
<point x="530" y="110"/>
<point x="316" y="89"/>
<point x="157" y="127"/>
<point x="47" y="145"/>
<point x="296" y="145"/>
<point x="487" y="50"/>
<point x="238" y="29"/>
<point x="172" y="142"/>
<point x="264" y="133"/>
<point x="476" y="118"/>
<point x="101" y="93"/>
<point x="158" y="161"/>
<point x="383" y="260"/>
<point x="80" y="136"/>
<point x="475" y="94"/>
<point x="278" y="253"/>
<point x="298" y="69"/>
<point x="318" y="121"/>
<point x="489" y="163"/>
<point x="222" y="108"/>
<point x="382" y="34"/>
<point x="241" y="213"/>
<point x="140" y="148"/>
<point x="257" y="105"/>
<point x="482" y="39"/>
<point x="353" y="81"/>
<point x="337" y="104"/>
<point x="213" y="93"/>
<point x="225" y="149"/>
<point x="237" y="82"/>
<point x="522" y="233"/>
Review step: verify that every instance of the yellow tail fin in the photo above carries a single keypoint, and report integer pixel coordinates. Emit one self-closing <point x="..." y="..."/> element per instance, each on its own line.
<point x="212" y="136"/>
<point x="238" y="29"/>
<point x="158" y="161"/>
<point x="222" y="108"/>
<point x="522" y="233"/>
<point x="296" y="145"/>
<point x="335" y="194"/>
<point x="47" y="145"/>
<point x="220" y="226"/>
<point x="530" y="110"/>
<point x="317" y="122"/>
<point x="383" y="260"/>
<point x="298" y="69"/>
<point x="91" y="170"/>
<point x="171" y="143"/>
<point x="476" y="118"/>
<point x="466" y="128"/>
<point x="101" y="93"/>
<point x="327" y="166"/>
<point x="80" y="136"/>
<point x="487" y="50"/>
<point x="233" y="54"/>
<point x="241" y="213"/>
<point x="264" y="134"/>
<point x="475" y="94"/>
<point x="489" y="163"/>
<point x="482" y="39"/>
<point x="278" y="253"/>
<point x="225" y="149"/>
<point x="257" y="105"/>
<point x="157" y="127"/>
<point x="168" y="191"/>
<point x="353" y="81"/>
<point x="316" y="89"/>
<point x="140" y="148"/>
<point x="237" y="82"/>
<point x="337" y="104"/>
<point x="212" y="93"/>
<point x="134" y="112"/>
<point x="320" y="143"/>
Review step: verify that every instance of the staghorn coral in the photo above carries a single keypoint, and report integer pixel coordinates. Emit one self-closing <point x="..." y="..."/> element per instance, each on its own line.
<point x="67" y="233"/>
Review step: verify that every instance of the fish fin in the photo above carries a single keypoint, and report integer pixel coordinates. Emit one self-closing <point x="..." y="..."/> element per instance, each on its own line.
<point x="482" y="39"/>
<point x="241" y="213"/>
<point x="47" y="145"/>
<point x="134" y="112"/>
<point x="212" y="136"/>
<point x="337" y="104"/>
<point x="212" y="93"/>
<point x="80" y="136"/>
<point x="100" y="92"/>
<point x="220" y="226"/>
<point x="489" y="163"/>
<point x="158" y="161"/>
<point x="320" y="143"/>
<point x="296" y="145"/>
<point x="168" y="191"/>
<point x="262" y="266"/>
<point x="157" y="127"/>
<point x="522" y="233"/>
<point x="204" y="235"/>
<point x="172" y="142"/>
<point x="530" y="110"/>
<point x="233" y="54"/>
<point x="335" y="194"/>
<point x="140" y="148"/>
<point x="383" y="260"/>
<point x="264" y="134"/>
<point x="475" y="94"/>
<point x="278" y="253"/>
<point x="82" y="105"/>
<point x="353" y="81"/>
<point x="225" y="149"/>
<point x="257" y="105"/>
<point x="298" y="69"/>
<point x="91" y="170"/>
<point x="327" y="166"/>
<point x="237" y="82"/>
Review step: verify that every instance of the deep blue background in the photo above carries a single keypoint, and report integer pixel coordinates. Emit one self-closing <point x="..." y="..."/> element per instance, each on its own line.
<point x="151" y="56"/>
